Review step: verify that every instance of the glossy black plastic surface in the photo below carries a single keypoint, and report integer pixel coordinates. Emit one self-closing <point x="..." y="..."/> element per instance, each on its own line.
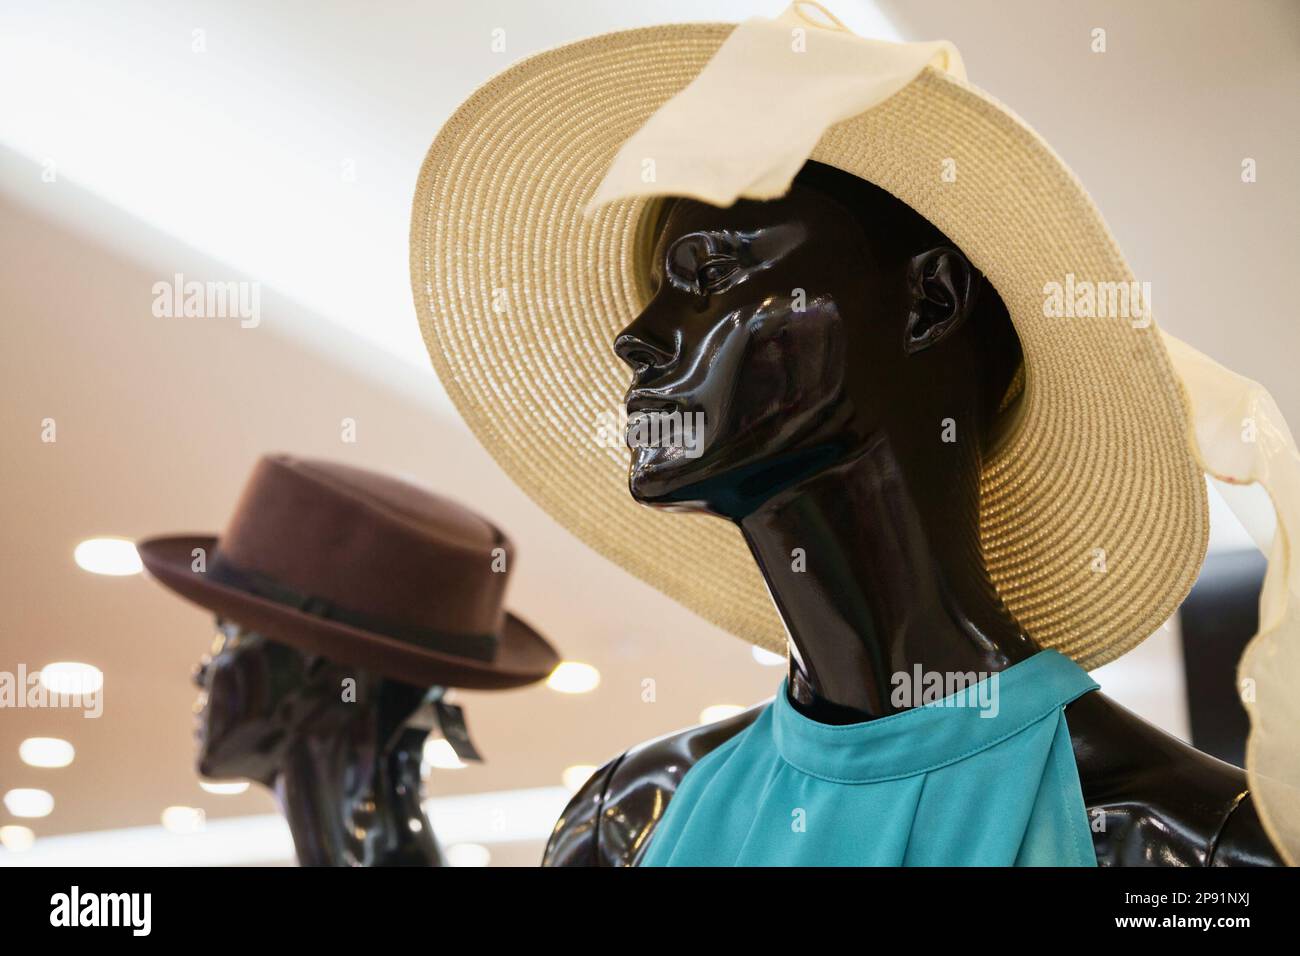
<point x="853" y="369"/>
<point x="342" y="758"/>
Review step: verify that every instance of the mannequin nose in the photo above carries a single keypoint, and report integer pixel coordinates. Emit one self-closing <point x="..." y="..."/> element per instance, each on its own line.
<point x="639" y="350"/>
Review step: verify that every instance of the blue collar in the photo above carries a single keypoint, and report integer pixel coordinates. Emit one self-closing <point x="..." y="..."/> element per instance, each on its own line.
<point x="928" y="737"/>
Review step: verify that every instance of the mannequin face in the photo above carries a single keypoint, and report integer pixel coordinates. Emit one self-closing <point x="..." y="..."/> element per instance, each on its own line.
<point x="792" y="335"/>
<point x="257" y="695"/>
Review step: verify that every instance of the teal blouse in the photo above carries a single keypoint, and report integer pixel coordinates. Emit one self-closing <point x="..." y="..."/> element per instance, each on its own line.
<point x="983" y="777"/>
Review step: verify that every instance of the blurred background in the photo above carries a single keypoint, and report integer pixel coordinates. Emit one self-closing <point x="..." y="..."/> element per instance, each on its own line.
<point x="278" y="143"/>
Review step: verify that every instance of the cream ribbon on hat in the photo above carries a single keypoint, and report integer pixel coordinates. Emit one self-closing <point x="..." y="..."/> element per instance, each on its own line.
<point x="1240" y="437"/>
<point x="764" y="109"/>
<point x="765" y="112"/>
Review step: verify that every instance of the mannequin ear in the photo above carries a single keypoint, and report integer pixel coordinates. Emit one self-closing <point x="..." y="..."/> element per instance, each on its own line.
<point x="944" y="285"/>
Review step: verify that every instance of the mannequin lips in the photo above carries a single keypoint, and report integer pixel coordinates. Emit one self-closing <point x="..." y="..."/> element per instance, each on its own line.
<point x="201" y="717"/>
<point x="636" y="422"/>
<point x="642" y="412"/>
<point x="640" y="424"/>
<point x="639" y="400"/>
<point x="200" y="708"/>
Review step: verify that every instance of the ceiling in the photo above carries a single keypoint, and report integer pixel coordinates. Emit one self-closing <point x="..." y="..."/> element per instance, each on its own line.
<point x="229" y="164"/>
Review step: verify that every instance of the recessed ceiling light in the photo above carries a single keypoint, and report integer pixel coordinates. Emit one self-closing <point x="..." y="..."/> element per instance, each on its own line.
<point x="112" y="556"/>
<point x="183" y="819"/>
<point x="711" y="715"/>
<point x="441" y="755"/>
<point x="224" y="786"/>
<point x="574" y="777"/>
<point x="46" y="752"/>
<point x="573" y="677"/>
<point x="468" y="854"/>
<point x="15" y="839"/>
<point x="26" y="802"/>
<point x="766" y="657"/>
<point x="71" y="677"/>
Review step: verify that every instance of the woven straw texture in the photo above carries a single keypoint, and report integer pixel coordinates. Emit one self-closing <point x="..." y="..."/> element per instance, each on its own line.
<point x="1093" y="513"/>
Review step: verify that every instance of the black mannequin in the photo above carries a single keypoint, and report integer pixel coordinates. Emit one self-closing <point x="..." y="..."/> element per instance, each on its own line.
<point x="345" y="772"/>
<point x="826" y="337"/>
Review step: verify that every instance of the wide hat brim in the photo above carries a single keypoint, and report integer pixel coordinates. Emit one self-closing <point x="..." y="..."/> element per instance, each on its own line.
<point x="523" y="656"/>
<point x="1093" y="512"/>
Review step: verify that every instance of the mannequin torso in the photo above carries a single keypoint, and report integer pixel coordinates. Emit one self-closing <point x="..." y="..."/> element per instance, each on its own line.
<point x="1154" y="801"/>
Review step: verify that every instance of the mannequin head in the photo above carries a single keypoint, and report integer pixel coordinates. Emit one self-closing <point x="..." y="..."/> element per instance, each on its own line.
<point x="261" y="698"/>
<point x="804" y="329"/>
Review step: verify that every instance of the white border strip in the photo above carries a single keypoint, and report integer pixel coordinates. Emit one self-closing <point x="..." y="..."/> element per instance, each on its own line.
<point x="503" y="816"/>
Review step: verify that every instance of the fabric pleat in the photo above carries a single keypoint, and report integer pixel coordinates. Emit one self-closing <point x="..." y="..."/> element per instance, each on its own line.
<point x="983" y="777"/>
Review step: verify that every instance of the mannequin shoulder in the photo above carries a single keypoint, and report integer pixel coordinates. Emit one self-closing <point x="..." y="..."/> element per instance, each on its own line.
<point x="1154" y="800"/>
<point x="610" y="819"/>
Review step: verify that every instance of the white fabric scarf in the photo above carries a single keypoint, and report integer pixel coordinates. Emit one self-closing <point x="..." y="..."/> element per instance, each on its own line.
<point x="1238" y="433"/>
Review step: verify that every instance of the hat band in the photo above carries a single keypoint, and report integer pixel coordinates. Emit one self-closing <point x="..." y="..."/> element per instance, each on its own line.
<point x="479" y="647"/>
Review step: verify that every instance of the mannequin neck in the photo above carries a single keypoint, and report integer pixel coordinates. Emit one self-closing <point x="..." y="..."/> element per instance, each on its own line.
<point x="890" y="577"/>
<point x="353" y="799"/>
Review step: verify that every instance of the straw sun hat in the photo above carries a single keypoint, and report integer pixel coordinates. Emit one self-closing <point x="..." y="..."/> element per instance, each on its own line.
<point x="529" y="252"/>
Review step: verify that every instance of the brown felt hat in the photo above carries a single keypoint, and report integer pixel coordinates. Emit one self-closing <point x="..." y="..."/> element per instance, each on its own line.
<point x="363" y="569"/>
